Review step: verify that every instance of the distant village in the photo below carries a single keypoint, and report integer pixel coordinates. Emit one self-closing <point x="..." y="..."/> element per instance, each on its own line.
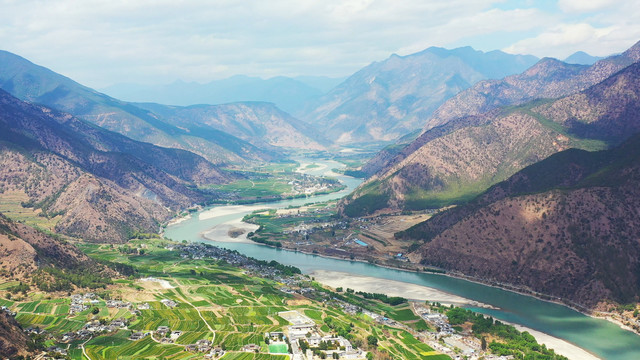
<point x="302" y="339"/>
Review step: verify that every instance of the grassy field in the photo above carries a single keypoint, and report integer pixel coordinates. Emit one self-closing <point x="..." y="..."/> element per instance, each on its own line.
<point x="11" y="207"/>
<point x="238" y="307"/>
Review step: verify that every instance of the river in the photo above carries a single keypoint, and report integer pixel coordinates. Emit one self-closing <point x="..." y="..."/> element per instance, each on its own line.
<point x="600" y="337"/>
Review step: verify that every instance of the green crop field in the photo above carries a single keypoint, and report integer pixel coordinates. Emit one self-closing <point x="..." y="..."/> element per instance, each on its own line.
<point x="278" y="348"/>
<point x="238" y="307"/>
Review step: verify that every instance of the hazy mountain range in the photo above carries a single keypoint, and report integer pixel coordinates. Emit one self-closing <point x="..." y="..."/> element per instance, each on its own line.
<point x="289" y="94"/>
<point x="102" y="185"/>
<point x="582" y="58"/>
<point x="37" y="84"/>
<point x="471" y="142"/>
<point x="389" y="99"/>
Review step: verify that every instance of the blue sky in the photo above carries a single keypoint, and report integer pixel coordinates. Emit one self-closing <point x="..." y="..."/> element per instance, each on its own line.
<point x="101" y="42"/>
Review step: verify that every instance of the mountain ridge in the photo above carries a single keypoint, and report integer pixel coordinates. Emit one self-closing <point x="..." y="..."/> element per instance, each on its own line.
<point x="551" y="224"/>
<point x="464" y="142"/>
<point x="40" y="85"/>
<point x="100" y="185"/>
<point x="288" y="93"/>
<point x="388" y="99"/>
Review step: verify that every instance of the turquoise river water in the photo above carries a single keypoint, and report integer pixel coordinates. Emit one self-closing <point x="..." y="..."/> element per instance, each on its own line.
<point x="602" y="338"/>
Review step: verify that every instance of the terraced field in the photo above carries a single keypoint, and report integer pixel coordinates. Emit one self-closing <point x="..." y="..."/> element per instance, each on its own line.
<point x="214" y="302"/>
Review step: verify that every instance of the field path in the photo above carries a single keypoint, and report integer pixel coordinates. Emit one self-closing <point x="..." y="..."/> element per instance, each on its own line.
<point x="84" y="352"/>
<point x="213" y="336"/>
<point x="184" y="297"/>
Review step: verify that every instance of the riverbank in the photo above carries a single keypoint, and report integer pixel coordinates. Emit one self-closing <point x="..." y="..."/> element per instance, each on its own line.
<point x="336" y="279"/>
<point x="608" y="339"/>
<point x="234" y="231"/>
<point x="411" y="291"/>
<point x="221" y="233"/>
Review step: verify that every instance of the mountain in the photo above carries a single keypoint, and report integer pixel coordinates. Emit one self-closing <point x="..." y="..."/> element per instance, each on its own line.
<point x="261" y="124"/>
<point x="13" y="340"/>
<point x="566" y="226"/>
<point x="27" y="254"/>
<point x="40" y="85"/>
<point x="582" y="58"/>
<point x="100" y="185"/>
<point x="288" y="94"/>
<point x="456" y="161"/>
<point x="549" y="78"/>
<point x="391" y="98"/>
<point x="322" y="83"/>
<point x="25" y="249"/>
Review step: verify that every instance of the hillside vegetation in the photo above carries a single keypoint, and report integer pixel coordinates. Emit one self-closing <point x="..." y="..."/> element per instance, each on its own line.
<point x="454" y="162"/>
<point x="98" y="185"/>
<point x="566" y="226"/>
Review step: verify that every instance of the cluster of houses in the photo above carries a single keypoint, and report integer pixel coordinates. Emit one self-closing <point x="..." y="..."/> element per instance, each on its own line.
<point x="169" y="303"/>
<point x="439" y="321"/>
<point x="94" y="327"/>
<point x="55" y="351"/>
<point x="304" y="330"/>
<point x="199" y="251"/>
<point x="205" y="251"/>
<point x="119" y="304"/>
<point x="200" y="346"/>
<point x="82" y="302"/>
<point x="166" y="336"/>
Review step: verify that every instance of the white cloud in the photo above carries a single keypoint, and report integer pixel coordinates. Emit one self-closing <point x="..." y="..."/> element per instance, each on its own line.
<point x="612" y="30"/>
<point x="561" y="40"/>
<point x="99" y="42"/>
<point x="581" y="6"/>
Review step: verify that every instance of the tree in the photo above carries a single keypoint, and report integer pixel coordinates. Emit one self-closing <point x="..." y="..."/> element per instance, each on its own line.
<point x="484" y="343"/>
<point x="372" y="340"/>
<point x="303" y="345"/>
<point x="95" y="311"/>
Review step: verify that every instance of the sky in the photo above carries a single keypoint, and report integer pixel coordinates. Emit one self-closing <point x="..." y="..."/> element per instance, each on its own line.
<point x="104" y="42"/>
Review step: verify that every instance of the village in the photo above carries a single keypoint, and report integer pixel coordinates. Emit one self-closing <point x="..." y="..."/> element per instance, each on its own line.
<point x="303" y="338"/>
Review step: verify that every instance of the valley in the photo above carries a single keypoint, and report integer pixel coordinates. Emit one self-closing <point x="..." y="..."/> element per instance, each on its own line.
<point x="439" y="204"/>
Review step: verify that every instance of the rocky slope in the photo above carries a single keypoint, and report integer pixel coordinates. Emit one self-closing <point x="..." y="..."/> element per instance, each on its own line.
<point x="103" y="185"/>
<point x="457" y="160"/>
<point x="391" y="98"/>
<point x="24" y="250"/>
<point x="36" y="84"/>
<point x="549" y="78"/>
<point x="13" y="340"/>
<point x="261" y="124"/>
<point x="566" y="226"/>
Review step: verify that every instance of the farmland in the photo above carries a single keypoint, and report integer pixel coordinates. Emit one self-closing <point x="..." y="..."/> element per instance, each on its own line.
<point x="200" y="300"/>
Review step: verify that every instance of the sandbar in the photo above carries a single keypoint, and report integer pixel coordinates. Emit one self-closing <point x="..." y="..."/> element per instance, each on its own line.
<point x="220" y="232"/>
<point x="230" y="210"/>
<point x="421" y="293"/>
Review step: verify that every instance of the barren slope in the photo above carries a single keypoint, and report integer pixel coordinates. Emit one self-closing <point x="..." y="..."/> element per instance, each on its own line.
<point x="567" y="226"/>
<point x="458" y="160"/>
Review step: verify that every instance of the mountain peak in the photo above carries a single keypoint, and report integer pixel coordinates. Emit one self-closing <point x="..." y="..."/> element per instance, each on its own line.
<point x="633" y="52"/>
<point x="548" y="66"/>
<point x="582" y="58"/>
